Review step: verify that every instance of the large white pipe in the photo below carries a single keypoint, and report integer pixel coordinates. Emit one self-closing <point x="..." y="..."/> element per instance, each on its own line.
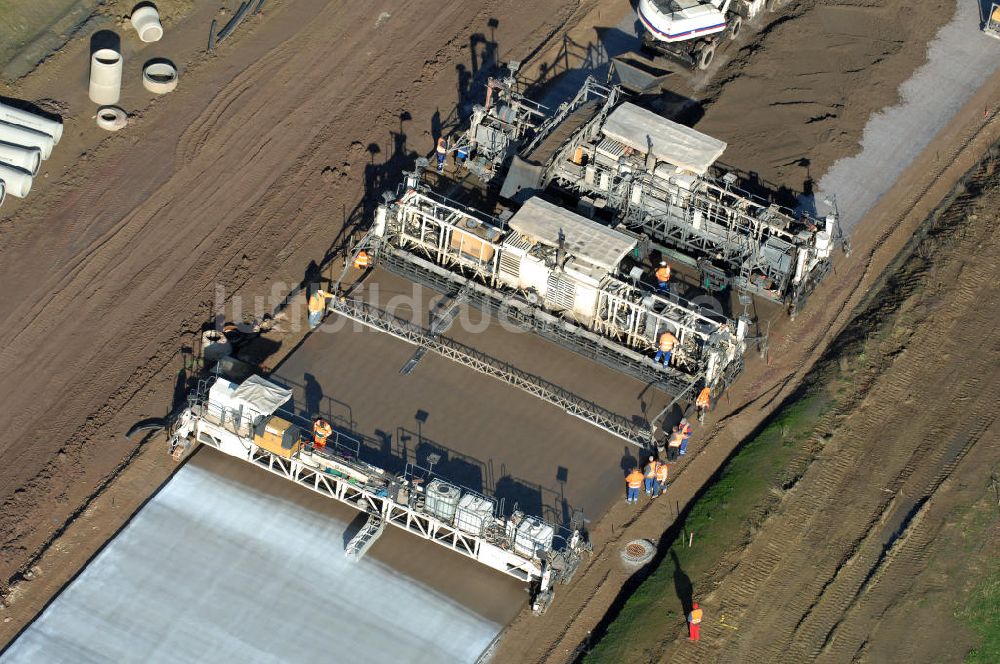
<point x="105" y="76"/>
<point x="146" y="21"/>
<point x="18" y="135"/>
<point x="3" y="191"/>
<point x="18" y="182"/>
<point x="21" y="156"/>
<point x="30" y="120"/>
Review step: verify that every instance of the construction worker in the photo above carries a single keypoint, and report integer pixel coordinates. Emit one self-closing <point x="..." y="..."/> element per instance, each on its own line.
<point x="317" y="307"/>
<point x="660" y="481"/>
<point x="321" y="432"/>
<point x="674" y="444"/>
<point x="633" y="481"/>
<point x="684" y="428"/>
<point x="694" y="623"/>
<point x="703" y="403"/>
<point x="667" y="343"/>
<point x="442" y="153"/>
<point x="649" y="475"/>
<point x="363" y="261"/>
<point x="663" y="277"/>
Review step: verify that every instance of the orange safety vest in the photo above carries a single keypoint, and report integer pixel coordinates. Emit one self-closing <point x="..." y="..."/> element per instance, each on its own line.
<point x="650" y="470"/>
<point x="662" y="470"/>
<point x="676" y="438"/>
<point x="442" y="147"/>
<point x="695" y="617"/>
<point x="634" y="479"/>
<point x="321" y="431"/>
<point x="363" y="260"/>
<point x="704" y="398"/>
<point x="663" y="273"/>
<point x="684" y="429"/>
<point x="317" y="301"/>
<point x="667" y="342"/>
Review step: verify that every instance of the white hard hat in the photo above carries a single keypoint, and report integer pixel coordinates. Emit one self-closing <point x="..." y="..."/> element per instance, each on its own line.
<point x="663" y="263"/>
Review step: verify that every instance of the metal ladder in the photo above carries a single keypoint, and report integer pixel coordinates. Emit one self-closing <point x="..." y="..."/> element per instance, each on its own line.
<point x="365" y="538"/>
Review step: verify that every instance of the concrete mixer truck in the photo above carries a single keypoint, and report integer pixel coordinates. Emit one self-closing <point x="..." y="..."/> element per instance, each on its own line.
<point x="689" y="31"/>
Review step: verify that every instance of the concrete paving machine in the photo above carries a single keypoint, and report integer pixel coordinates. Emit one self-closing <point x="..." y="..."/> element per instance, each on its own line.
<point x="553" y="272"/>
<point x="661" y="179"/>
<point x="689" y="31"/>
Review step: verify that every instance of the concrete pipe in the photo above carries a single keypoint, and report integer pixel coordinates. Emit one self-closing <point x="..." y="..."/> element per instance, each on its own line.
<point x="16" y="116"/>
<point x="105" y="76"/>
<point x="146" y="21"/>
<point x="18" y="135"/>
<point x="159" y="77"/>
<point x="21" y="156"/>
<point x="111" y="118"/>
<point x="18" y="182"/>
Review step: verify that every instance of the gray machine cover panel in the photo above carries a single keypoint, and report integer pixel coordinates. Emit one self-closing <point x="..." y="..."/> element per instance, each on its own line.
<point x="585" y="239"/>
<point x="645" y="131"/>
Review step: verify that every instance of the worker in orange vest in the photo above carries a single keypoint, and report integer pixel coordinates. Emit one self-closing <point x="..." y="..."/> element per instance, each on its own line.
<point x="363" y="261"/>
<point x="703" y="403"/>
<point x="442" y="153"/>
<point x="667" y="343"/>
<point x="317" y="307"/>
<point x="649" y="475"/>
<point x="684" y="428"/>
<point x="321" y="432"/>
<point x="660" y="480"/>
<point x="663" y="277"/>
<point x="694" y="623"/>
<point x="633" y="481"/>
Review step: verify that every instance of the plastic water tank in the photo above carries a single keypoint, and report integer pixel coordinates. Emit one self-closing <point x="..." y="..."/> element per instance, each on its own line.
<point x="532" y="535"/>
<point x="473" y="514"/>
<point x="441" y="500"/>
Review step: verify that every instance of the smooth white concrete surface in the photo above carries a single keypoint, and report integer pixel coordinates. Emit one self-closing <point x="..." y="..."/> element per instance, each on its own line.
<point x="211" y="571"/>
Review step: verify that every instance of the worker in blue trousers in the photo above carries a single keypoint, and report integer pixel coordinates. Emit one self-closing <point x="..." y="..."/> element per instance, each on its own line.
<point x="649" y="475"/>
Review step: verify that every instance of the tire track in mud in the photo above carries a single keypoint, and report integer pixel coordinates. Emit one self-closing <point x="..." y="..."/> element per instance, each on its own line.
<point x="795" y="602"/>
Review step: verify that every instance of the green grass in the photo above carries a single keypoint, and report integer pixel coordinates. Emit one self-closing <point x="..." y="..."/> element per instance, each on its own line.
<point x="721" y="520"/>
<point x="982" y="614"/>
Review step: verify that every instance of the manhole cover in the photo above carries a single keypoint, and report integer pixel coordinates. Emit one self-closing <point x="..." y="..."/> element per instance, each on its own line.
<point x="638" y="552"/>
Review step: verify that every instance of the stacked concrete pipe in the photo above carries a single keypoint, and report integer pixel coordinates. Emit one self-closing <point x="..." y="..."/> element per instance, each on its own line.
<point x="21" y="156"/>
<point x="19" y="135"/>
<point x="17" y="182"/>
<point x="16" y="116"/>
<point x="106" y="76"/>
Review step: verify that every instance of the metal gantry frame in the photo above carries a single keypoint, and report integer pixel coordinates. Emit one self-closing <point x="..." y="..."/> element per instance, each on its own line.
<point x="205" y="423"/>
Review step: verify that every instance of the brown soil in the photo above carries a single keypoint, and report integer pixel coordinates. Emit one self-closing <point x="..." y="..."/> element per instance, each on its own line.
<point x="245" y="175"/>
<point x="859" y="561"/>
<point x="800" y="94"/>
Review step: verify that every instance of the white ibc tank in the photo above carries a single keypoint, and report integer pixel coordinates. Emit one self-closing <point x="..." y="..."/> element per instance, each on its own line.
<point x="533" y="535"/>
<point x="473" y="514"/>
<point x="442" y="500"/>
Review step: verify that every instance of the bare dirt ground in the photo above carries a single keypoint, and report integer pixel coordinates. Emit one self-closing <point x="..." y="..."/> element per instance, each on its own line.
<point x="859" y="561"/>
<point x="246" y="174"/>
